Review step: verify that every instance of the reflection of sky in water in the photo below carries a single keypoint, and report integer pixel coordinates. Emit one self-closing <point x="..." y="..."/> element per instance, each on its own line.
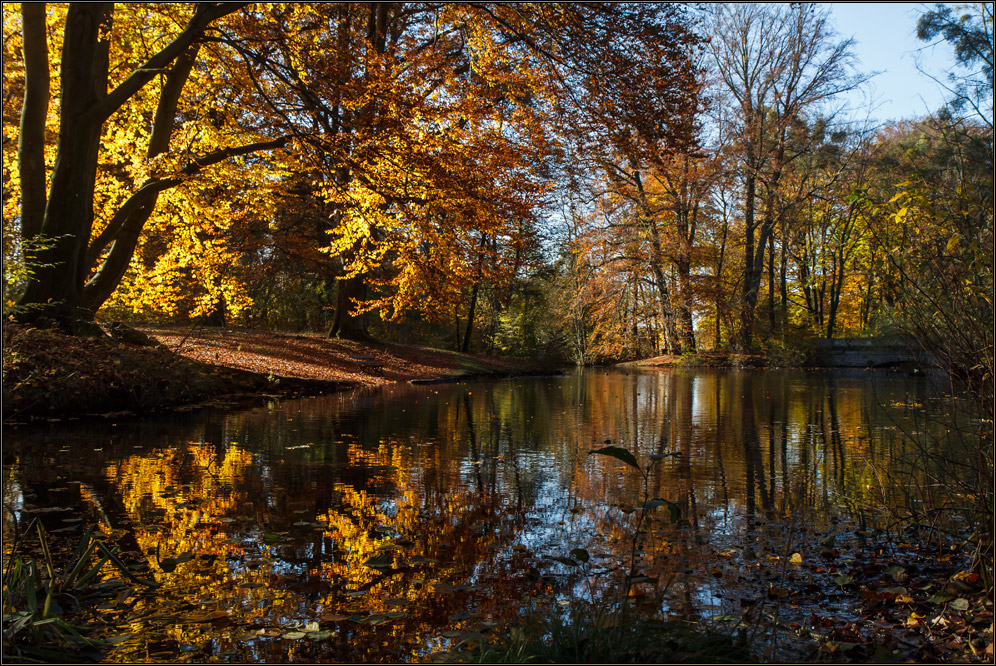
<point x="477" y="480"/>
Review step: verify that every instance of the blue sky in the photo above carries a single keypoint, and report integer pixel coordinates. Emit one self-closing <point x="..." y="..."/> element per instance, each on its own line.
<point x="885" y="36"/>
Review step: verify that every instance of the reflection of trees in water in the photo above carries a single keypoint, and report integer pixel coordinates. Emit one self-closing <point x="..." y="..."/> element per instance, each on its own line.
<point x="459" y="472"/>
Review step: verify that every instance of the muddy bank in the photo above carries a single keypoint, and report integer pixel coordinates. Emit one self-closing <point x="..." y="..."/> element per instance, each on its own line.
<point x="150" y="369"/>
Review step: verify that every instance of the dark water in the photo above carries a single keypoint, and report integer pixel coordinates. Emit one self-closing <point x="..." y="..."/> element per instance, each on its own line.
<point x="456" y="492"/>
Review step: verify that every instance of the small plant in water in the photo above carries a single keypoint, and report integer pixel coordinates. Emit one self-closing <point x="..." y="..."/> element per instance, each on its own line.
<point x="33" y="629"/>
<point x="606" y="630"/>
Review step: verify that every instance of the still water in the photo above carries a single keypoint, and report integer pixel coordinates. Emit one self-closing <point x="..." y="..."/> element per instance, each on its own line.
<point x="385" y="524"/>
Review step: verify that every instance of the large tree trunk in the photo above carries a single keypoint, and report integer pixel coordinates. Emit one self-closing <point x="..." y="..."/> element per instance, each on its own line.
<point x="31" y="140"/>
<point x="54" y="287"/>
<point x="347" y="325"/>
<point x="53" y="294"/>
<point x="748" y="300"/>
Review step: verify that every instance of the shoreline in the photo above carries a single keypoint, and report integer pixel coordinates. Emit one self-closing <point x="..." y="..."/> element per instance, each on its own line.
<point x="149" y="369"/>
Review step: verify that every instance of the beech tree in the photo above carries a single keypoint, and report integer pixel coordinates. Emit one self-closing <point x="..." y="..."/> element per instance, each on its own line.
<point x="77" y="260"/>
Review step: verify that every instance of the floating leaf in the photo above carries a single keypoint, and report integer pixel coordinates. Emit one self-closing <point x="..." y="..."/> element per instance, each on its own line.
<point x="580" y="554"/>
<point x="894" y="590"/>
<point x="843" y="580"/>
<point x="895" y="572"/>
<point x="418" y="559"/>
<point x="335" y="617"/>
<point x="618" y="453"/>
<point x="319" y="635"/>
<point x="460" y="617"/>
<point x="294" y="635"/>
<point x="959" y="604"/>
<point x="796" y="558"/>
<point x="939" y="598"/>
<point x="381" y="561"/>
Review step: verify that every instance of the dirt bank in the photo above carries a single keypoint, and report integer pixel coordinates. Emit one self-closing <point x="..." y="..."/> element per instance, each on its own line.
<point x="50" y="375"/>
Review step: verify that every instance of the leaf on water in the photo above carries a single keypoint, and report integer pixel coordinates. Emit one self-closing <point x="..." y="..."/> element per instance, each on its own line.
<point x="904" y="599"/>
<point x="460" y="617"/>
<point x="294" y="635"/>
<point x="335" y="617"/>
<point x="894" y="590"/>
<point x="618" y="453"/>
<point x="310" y="626"/>
<point x="374" y="620"/>
<point x="319" y="635"/>
<point x="939" y="598"/>
<point x="959" y="604"/>
<point x="394" y="615"/>
<point x="443" y="587"/>
<point x="838" y="646"/>
<point x="796" y="558"/>
<point x="843" y="580"/>
<point x="580" y="554"/>
<point x="381" y="561"/>
<point x="871" y="596"/>
<point x="356" y="593"/>
<point x="114" y="640"/>
<point x="418" y="559"/>
<point x="895" y="572"/>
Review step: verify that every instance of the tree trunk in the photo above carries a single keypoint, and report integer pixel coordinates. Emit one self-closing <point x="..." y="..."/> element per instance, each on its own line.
<point x="53" y="294"/>
<point x="749" y="298"/>
<point x="31" y="140"/>
<point x="465" y="347"/>
<point x="54" y="288"/>
<point x="346" y="325"/>
<point x="771" y="282"/>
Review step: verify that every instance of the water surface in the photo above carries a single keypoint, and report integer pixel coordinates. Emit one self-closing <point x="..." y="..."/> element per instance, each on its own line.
<point x="394" y="521"/>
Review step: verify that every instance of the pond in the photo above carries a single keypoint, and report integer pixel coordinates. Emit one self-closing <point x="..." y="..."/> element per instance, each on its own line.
<point x="384" y="525"/>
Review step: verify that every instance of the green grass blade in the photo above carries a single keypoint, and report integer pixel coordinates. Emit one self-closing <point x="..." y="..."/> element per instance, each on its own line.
<point x="123" y="568"/>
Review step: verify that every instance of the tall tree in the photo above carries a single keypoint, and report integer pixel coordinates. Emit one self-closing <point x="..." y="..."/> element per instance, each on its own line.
<point x="776" y="62"/>
<point x="61" y="288"/>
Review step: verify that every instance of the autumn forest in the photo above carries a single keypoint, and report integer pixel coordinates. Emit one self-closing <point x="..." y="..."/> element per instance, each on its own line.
<point x="608" y="181"/>
<point x="281" y="214"/>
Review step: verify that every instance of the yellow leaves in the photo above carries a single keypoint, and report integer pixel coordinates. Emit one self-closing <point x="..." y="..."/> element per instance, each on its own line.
<point x="952" y="244"/>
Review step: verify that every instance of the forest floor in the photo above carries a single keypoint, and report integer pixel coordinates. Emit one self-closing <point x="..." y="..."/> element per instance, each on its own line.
<point x="152" y="368"/>
<point x="702" y="360"/>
